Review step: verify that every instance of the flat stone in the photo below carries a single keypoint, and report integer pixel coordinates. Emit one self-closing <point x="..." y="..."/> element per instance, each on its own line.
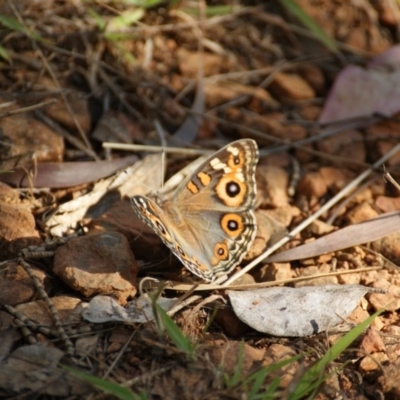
<point x="17" y="229"/>
<point x="98" y="264"/>
<point x="362" y="212"/>
<point x="272" y="183"/>
<point x="291" y="87"/>
<point x="8" y="194"/>
<point x="16" y="286"/>
<point x="38" y="311"/>
<point x="144" y="242"/>
<point x="369" y="363"/>
<point x="29" y="135"/>
<point x="80" y="112"/>
<point x="372" y="342"/>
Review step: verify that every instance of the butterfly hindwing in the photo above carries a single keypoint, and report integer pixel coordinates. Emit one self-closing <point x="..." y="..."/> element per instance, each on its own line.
<point x="209" y="222"/>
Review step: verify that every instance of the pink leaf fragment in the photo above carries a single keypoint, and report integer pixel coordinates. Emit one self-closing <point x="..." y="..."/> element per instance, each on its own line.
<point x="353" y="235"/>
<point x="66" y="174"/>
<point x="362" y="92"/>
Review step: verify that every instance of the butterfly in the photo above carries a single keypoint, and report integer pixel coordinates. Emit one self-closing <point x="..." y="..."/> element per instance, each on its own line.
<point x="209" y="221"/>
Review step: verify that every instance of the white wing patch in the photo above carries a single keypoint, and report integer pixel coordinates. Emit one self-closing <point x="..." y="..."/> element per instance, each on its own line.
<point x="234" y="150"/>
<point x="217" y="164"/>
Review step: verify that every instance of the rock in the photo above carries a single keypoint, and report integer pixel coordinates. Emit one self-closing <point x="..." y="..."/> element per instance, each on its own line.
<point x="359" y="314"/>
<point x="121" y="218"/>
<point x="226" y="355"/>
<point x="267" y="229"/>
<point x="387" y="204"/>
<point x="212" y="63"/>
<point x="38" y="311"/>
<point x="392" y="345"/>
<point x="313" y="76"/>
<point x="275" y="272"/>
<point x="348" y="144"/>
<point x="336" y="178"/>
<point x="272" y="184"/>
<point x="389" y="301"/>
<point x="389" y="379"/>
<point x="317" y="270"/>
<point x="8" y="194"/>
<point x="16" y="286"/>
<point x="35" y="369"/>
<point x="362" y="212"/>
<point x="29" y="135"/>
<point x="372" y="342"/>
<point x="278" y="352"/>
<point x="98" y="264"/>
<point x="313" y="186"/>
<point x="221" y="92"/>
<point x="349" y="279"/>
<point x="230" y="323"/>
<point x="291" y="87"/>
<point x="369" y="364"/>
<point x="389" y="247"/>
<point x="319" y="228"/>
<point x="80" y="110"/>
<point x="17" y="229"/>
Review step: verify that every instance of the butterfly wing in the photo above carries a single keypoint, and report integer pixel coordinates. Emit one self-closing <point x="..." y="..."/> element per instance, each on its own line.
<point x="217" y="203"/>
<point x="209" y="223"/>
<point x="227" y="177"/>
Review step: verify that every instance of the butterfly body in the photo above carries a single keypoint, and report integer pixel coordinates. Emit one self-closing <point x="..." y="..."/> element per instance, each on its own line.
<point x="209" y="222"/>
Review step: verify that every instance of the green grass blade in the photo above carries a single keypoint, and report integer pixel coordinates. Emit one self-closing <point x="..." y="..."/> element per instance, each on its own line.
<point x="100" y="21"/>
<point x="143" y="3"/>
<point x="315" y="374"/>
<point x="3" y="54"/>
<point x="237" y="374"/>
<point x="211" y="11"/>
<point x="258" y="379"/>
<point x="310" y="24"/>
<point x="126" y="19"/>
<point x="174" y="333"/>
<point x="15" y="26"/>
<point x="11" y="23"/>
<point x="105" y="386"/>
<point x="272" y="391"/>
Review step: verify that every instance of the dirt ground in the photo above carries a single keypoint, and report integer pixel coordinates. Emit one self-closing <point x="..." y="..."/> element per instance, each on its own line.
<point x="313" y="83"/>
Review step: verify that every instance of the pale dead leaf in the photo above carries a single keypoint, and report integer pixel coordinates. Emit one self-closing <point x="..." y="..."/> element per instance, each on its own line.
<point x="105" y="309"/>
<point x="283" y="311"/>
<point x="364" y="232"/>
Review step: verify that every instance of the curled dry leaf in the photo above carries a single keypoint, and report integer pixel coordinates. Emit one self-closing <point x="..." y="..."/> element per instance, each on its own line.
<point x="353" y="235"/>
<point x="65" y="174"/>
<point x="134" y="179"/>
<point x="105" y="309"/>
<point x="283" y="311"/>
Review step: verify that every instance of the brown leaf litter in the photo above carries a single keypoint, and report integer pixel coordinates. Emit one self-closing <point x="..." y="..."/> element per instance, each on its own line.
<point x="67" y="230"/>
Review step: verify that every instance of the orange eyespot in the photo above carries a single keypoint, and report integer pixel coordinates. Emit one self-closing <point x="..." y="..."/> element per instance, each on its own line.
<point x="221" y="251"/>
<point x="231" y="191"/>
<point x="236" y="161"/>
<point x="232" y="224"/>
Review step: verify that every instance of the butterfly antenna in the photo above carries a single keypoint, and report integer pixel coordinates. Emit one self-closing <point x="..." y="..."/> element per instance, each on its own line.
<point x="161" y="134"/>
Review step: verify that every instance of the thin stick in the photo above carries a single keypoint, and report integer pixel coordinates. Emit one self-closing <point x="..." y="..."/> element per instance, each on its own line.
<point x="53" y="310"/>
<point x="28" y="109"/>
<point x="212" y="286"/>
<point x="155" y="149"/>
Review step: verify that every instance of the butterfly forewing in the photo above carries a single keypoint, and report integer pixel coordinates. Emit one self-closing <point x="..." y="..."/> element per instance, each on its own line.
<point x="209" y="222"/>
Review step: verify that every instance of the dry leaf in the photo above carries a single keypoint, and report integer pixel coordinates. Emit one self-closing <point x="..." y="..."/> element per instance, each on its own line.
<point x="283" y="311"/>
